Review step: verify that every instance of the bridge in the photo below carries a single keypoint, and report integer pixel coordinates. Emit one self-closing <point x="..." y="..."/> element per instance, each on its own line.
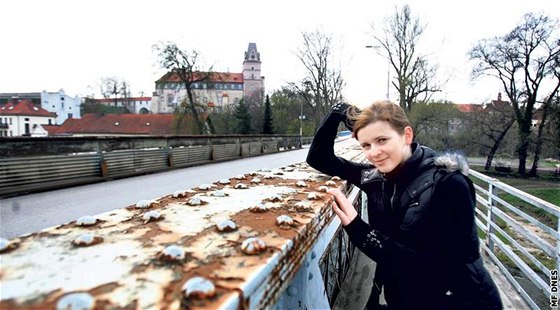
<point x="127" y="258"/>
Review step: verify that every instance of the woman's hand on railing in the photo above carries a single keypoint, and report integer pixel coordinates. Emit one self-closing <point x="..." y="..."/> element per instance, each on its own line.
<point x="342" y="207"/>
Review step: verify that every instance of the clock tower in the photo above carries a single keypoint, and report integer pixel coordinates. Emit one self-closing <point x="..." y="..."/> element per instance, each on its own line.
<point x="253" y="81"/>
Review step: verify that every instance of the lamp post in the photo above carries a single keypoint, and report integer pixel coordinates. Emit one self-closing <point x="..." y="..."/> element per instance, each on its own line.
<point x="377" y="47"/>
<point x="301" y="117"/>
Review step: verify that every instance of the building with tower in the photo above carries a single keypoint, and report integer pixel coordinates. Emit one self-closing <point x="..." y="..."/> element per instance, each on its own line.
<point x="214" y="90"/>
<point x="252" y="78"/>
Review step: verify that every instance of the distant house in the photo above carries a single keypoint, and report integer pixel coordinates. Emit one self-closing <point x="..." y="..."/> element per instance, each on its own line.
<point x="23" y="118"/>
<point x="136" y="105"/>
<point x="59" y="102"/>
<point x="216" y="90"/>
<point x="121" y="125"/>
<point x="65" y="107"/>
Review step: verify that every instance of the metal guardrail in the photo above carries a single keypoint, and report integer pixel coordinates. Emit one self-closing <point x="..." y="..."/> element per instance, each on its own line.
<point x="28" y="164"/>
<point x="125" y="267"/>
<point x="515" y="240"/>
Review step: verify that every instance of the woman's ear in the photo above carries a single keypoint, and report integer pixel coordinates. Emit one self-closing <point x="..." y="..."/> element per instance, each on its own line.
<point x="408" y="135"/>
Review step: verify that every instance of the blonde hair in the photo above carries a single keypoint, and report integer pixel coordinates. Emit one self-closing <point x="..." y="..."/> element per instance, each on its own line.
<point x="380" y="111"/>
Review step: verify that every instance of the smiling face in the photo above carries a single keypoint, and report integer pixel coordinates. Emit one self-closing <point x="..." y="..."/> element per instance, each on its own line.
<point x="383" y="146"/>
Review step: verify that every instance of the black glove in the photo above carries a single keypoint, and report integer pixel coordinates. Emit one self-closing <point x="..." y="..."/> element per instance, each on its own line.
<point x="347" y="111"/>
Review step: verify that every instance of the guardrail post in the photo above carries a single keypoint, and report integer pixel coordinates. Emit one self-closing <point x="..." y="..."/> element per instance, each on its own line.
<point x="103" y="167"/>
<point x="169" y="154"/>
<point x="558" y="247"/>
<point x="492" y="191"/>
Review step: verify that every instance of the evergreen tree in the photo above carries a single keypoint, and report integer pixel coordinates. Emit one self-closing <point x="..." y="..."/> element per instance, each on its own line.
<point x="243" y="117"/>
<point x="267" y="122"/>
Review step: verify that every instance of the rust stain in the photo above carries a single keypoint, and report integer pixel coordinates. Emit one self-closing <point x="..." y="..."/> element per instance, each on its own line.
<point x="214" y="255"/>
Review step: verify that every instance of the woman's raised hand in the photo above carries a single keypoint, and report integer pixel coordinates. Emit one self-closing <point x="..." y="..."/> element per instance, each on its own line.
<point x="342" y="207"/>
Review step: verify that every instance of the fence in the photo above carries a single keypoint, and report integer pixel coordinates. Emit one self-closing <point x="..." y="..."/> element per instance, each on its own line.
<point x="525" y="247"/>
<point x="28" y="164"/>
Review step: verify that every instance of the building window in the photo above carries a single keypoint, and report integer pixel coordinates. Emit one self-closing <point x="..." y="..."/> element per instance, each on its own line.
<point x="53" y="106"/>
<point x="50" y="121"/>
<point x="69" y="116"/>
<point x="10" y="120"/>
<point x="26" y="119"/>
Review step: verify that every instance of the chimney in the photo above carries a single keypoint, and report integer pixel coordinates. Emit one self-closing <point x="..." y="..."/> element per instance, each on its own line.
<point x="499" y="96"/>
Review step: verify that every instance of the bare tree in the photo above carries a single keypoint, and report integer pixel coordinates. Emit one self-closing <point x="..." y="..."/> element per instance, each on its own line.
<point x="185" y="64"/>
<point x="522" y="61"/>
<point x="322" y="86"/>
<point x="490" y="126"/>
<point x="398" y="38"/>
<point x="546" y="109"/>
<point x="113" y="87"/>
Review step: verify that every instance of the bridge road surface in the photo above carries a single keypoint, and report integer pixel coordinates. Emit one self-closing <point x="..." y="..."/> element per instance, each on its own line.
<point x="20" y="215"/>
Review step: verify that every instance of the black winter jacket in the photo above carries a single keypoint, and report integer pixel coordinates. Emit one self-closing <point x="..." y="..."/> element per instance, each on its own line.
<point x="421" y="230"/>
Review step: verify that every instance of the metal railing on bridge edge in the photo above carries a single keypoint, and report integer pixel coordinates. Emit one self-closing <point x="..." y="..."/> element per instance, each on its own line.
<point x="518" y="242"/>
<point x="31" y="164"/>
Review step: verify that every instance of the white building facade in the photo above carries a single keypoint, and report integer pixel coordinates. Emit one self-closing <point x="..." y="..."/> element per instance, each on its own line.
<point x="24" y="119"/>
<point x="60" y="103"/>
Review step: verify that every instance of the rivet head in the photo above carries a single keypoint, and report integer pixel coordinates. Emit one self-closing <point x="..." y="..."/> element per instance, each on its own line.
<point x="240" y="186"/>
<point x="199" y="288"/>
<point x="226" y="226"/>
<point x="6" y="245"/>
<point x="205" y="186"/>
<point x="151" y="216"/>
<point x="76" y="301"/>
<point x="195" y="201"/>
<point x="252" y="246"/>
<point x="86" y="239"/>
<point x="259" y="208"/>
<point x="292" y="291"/>
<point x="86" y="220"/>
<point x="143" y="204"/>
<point x="322" y="188"/>
<point x="284" y="220"/>
<point x="219" y="193"/>
<point x="313" y="196"/>
<point x="173" y="253"/>
<point x="178" y="194"/>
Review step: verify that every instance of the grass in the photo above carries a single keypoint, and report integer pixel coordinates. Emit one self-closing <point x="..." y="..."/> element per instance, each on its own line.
<point x="550" y="194"/>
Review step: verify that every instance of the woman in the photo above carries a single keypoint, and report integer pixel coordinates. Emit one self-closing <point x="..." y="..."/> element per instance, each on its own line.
<point x="421" y="230"/>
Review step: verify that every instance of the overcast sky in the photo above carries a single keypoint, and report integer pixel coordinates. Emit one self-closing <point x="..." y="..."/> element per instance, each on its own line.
<point x="54" y="44"/>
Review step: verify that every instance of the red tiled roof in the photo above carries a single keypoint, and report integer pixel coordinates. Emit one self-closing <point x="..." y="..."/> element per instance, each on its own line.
<point x="123" y="99"/>
<point x="130" y="124"/>
<point x="24" y="107"/>
<point x="469" y="107"/>
<point x="223" y="77"/>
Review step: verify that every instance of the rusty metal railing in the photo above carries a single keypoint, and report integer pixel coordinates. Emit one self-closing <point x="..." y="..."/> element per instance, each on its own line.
<point x="286" y="250"/>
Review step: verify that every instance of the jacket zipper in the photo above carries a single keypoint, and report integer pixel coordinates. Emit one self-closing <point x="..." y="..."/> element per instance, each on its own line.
<point x="393" y="196"/>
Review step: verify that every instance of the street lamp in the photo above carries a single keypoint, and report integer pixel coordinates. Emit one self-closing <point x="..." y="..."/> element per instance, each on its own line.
<point x="301" y="118"/>
<point x="377" y="47"/>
